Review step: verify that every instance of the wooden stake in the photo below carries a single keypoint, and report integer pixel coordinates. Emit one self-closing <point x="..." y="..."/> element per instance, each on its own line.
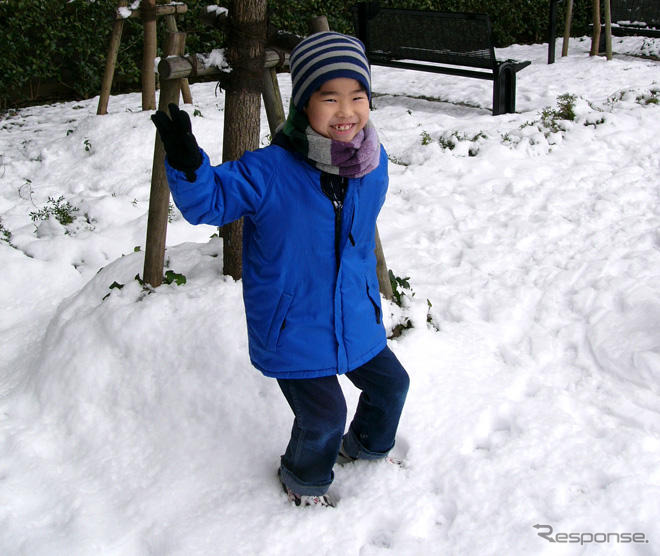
<point x="110" y="63"/>
<point x="318" y="24"/>
<point x="608" y="29"/>
<point x="273" y="100"/>
<point x="595" y="37"/>
<point x="170" y="21"/>
<point x="159" y="198"/>
<point x="568" y="21"/>
<point x="149" y="55"/>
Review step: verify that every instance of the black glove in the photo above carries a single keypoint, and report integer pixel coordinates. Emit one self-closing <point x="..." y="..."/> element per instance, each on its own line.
<point x="180" y="144"/>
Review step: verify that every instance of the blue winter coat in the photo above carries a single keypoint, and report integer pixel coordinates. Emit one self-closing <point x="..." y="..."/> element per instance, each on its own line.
<point x="305" y="317"/>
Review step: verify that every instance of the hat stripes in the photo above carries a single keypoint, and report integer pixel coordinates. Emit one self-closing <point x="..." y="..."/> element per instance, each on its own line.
<point x="327" y="39"/>
<point x="324" y="56"/>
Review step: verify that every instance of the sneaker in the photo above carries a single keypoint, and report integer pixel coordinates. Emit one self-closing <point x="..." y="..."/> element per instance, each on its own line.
<point x="343" y="457"/>
<point x="324" y="500"/>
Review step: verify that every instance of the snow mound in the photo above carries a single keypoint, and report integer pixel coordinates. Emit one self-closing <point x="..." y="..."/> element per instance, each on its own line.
<point x="625" y="340"/>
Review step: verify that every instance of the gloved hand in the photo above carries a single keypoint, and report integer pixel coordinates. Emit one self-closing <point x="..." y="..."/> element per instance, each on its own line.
<point x="180" y="144"/>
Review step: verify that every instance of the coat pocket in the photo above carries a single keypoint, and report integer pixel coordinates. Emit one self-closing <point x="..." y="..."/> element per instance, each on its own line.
<point x="279" y="321"/>
<point x="374" y="297"/>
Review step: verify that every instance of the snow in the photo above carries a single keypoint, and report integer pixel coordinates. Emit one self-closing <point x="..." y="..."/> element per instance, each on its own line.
<point x="132" y="423"/>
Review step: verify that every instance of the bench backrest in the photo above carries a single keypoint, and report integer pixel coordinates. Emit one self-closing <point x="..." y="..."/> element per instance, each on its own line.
<point x="441" y="37"/>
<point x="647" y="11"/>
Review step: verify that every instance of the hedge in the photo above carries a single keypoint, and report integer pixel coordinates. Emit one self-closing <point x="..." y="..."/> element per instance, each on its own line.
<point x="54" y="49"/>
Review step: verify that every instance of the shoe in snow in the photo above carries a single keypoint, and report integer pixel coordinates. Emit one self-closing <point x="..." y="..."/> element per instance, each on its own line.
<point x="342" y="456"/>
<point x="324" y="500"/>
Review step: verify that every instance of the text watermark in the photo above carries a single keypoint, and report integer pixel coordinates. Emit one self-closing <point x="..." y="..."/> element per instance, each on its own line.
<point x="547" y="532"/>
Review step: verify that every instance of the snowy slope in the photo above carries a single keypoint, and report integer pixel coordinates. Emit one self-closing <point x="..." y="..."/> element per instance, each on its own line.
<point x="132" y="423"/>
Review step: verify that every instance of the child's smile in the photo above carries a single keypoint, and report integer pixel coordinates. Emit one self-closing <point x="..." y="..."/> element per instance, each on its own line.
<point x="339" y="109"/>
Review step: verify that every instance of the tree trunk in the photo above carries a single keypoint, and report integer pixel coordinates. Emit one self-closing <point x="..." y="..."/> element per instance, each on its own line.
<point x="149" y="55"/>
<point x="245" y="53"/>
<point x="595" y="38"/>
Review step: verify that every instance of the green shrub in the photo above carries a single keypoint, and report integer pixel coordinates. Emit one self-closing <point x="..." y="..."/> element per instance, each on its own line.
<point x="5" y="234"/>
<point x="63" y="211"/>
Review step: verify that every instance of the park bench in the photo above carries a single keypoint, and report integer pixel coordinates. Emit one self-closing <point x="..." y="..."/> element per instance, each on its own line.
<point x="458" y="44"/>
<point x="636" y="17"/>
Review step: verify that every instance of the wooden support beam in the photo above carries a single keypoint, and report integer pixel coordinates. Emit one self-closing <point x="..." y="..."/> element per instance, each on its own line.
<point x="318" y="24"/>
<point x="161" y="9"/>
<point x="175" y="67"/>
<point x="159" y="198"/>
<point x="170" y="21"/>
<point x="273" y="100"/>
<point x="149" y="49"/>
<point x="595" y="37"/>
<point x="568" y="22"/>
<point x="110" y="63"/>
<point x="608" y="29"/>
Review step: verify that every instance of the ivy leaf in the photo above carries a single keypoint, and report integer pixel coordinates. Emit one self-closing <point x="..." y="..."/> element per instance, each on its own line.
<point x="171" y="276"/>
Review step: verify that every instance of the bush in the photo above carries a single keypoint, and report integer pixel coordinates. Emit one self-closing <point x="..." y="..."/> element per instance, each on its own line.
<point x="54" y="49"/>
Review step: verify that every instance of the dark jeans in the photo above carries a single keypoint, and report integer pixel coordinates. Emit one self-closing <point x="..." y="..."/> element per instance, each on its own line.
<point x="320" y="417"/>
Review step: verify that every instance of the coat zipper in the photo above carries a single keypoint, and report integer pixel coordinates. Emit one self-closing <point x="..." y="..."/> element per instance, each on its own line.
<point x="332" y="188"/>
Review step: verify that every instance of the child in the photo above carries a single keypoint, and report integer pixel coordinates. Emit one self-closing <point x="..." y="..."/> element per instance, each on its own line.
<point x="310" y="202"/>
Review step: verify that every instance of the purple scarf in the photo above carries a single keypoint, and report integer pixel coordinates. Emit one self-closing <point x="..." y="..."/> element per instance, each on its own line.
<point x="350" y="159"/>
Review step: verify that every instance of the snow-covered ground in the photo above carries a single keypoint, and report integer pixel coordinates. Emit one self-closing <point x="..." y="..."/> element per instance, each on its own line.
<point x="132" y="423"/>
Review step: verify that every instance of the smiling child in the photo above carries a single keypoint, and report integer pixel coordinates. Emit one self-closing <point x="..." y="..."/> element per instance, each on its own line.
<point x="310" y="202"/>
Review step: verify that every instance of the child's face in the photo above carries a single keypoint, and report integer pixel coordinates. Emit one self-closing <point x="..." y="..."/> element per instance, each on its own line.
<point x="339" y="109"/>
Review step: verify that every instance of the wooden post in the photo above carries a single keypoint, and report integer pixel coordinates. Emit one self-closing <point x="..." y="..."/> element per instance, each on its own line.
<point x="384" y="284"/>
<point x="608" y="29"/>
<point x="168" y="10"/>
<point x="245" y="54"/>
<point x="595" y="37"/>
<point x="159" y="198"/>
<point x="170" y="21"/>
<point x="148" y="9"/>
<point x="568" y="21"/>
<point x="273" y="100"/>
<point x="318" y="24"/>
<point x="111" y="62"/>
<point x="552" y="31"/>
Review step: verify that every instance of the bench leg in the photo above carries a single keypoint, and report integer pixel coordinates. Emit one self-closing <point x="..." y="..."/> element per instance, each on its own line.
<point x="504" y="90"/>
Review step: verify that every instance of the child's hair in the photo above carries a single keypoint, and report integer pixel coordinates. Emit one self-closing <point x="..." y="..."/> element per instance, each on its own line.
<point x="324" y="56"/>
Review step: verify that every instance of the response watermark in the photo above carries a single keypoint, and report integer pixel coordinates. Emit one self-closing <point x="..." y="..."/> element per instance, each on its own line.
<point x="547" y="532"/>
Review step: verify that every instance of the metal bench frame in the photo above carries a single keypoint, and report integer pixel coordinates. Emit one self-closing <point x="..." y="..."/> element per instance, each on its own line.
<point x="636" y="17"/>
<point x="447" y="42"/>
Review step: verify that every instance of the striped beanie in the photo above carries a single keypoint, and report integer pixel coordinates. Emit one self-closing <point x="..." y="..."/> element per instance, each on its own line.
<point x="324" y="56"/>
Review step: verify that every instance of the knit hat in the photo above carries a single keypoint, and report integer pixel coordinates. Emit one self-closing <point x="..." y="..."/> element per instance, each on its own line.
<point x="324" y="56"/>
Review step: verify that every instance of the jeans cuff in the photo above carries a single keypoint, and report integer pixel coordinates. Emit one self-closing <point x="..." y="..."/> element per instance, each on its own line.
<point x="303" y="488"/>
<point x="355" y="449"/>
